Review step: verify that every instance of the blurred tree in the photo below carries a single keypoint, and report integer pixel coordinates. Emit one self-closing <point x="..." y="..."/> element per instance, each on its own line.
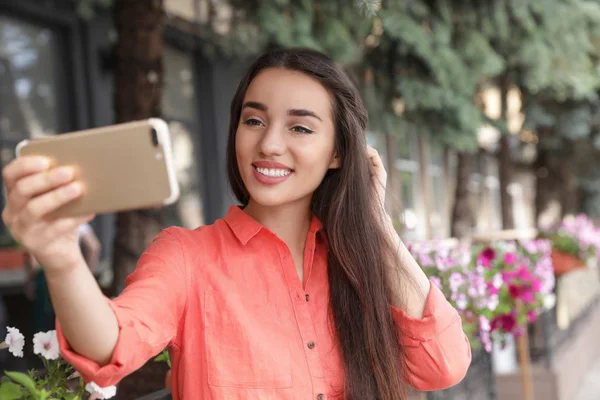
<point x="428" y="60"/>
<point x="138" y="78"/>
<point x="555" y="64"/>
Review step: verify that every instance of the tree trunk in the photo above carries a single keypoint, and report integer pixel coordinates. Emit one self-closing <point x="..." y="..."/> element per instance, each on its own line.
<point x="462" y="215"/>
<point x="543" y="192"/>
<point x="138" y="84"/>
<point x="505" y="167"/>
<point x="569" y="197"/>
<point x="138" y="77"/>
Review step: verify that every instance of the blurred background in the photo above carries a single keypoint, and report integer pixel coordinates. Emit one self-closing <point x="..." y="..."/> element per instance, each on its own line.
<point x="486" y="113"/>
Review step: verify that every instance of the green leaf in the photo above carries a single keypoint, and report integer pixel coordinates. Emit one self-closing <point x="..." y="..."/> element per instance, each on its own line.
<point x="24" y="380"/>
<point x="10" y="391"/>
<point x="72" y="396"/>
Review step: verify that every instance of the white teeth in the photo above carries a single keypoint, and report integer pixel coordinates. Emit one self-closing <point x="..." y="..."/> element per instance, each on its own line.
<point x="273" y="172"/>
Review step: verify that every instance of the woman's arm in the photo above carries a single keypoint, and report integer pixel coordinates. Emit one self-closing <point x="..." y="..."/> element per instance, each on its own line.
<point x="146" y="316"/>
<point x="407" y="294"/>
<point x="86" y="319"/>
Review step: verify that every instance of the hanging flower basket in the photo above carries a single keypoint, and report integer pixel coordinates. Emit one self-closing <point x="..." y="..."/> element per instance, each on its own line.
<point x="565" y="262"/>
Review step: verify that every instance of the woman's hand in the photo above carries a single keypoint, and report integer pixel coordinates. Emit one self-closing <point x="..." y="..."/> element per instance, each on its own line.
<point x="378" y="174"/>
<point x="34" y="190"/>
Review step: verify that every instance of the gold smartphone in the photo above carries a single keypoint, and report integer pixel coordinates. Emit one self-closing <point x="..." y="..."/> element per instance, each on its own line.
<point x="123" y="167"/>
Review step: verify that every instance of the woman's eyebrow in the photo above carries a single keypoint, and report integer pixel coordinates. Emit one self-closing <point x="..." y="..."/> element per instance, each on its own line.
<point x="303" y="113"/>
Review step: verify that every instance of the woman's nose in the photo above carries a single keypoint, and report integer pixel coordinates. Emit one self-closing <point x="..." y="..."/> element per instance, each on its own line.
<point x="272" y="142"/>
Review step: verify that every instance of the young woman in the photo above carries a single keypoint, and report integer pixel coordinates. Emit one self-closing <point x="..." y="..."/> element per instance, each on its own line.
<point x="305" y="291"/>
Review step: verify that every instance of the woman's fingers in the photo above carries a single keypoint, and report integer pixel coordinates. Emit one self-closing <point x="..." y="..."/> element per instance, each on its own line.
<point x="39" y="183"/>
<point x="40" y="206"/>
<point x="21" y="167"/>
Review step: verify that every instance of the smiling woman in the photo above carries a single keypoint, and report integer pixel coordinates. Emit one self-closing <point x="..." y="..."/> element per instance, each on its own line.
<point x="284" y="143"/>
<point x="304" y="290"/>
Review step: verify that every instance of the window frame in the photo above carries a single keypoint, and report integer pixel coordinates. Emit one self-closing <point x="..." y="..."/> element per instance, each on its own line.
<point x="60" y="18"/>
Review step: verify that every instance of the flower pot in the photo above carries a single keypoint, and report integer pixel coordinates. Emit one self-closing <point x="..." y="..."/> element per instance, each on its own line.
<point x="565" y="262"/>
<point x="504" y="359"/>
<point x="168" y="382"/>
<point x="12" y="258"/>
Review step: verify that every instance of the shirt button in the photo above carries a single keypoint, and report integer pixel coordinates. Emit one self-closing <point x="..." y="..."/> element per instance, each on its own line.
<point x="320" y="396"/>
<point x="311" y="345"/>
<point x="307" y="296"/>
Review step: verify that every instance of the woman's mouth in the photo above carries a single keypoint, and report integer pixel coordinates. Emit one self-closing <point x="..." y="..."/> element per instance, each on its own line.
<point x="271" y="175"/>
<point x="273" y="172"/>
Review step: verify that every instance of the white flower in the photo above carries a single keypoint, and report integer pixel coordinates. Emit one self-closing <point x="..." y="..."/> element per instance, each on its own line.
<point x="15" y="341"/>
<point x="98" y="392"/>
<point x="46" y="345"/>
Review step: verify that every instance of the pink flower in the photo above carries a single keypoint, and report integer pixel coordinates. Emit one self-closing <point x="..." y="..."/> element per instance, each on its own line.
<point x="46" y="345"/>
<point x="514" y="291"/>
<point x="509" y="276"/>
<point x="456" y="280"/>
<point x="15" y="341"/>
<point x="484" y="323"/>
<point x="531" y="316"/>
<point x="487" y="342"/>
<point x="486" y="257"/>
<point x="492" y="289"/>
<point x="536" y="285"/>
<point x="509" y="258"/>
<point x="527" y="296"/>
<point x="98" y="392"/>
<point x="505" y="322"/>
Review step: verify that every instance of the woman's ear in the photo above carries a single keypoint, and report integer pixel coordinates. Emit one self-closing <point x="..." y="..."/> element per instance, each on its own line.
<point x="335" y="162"/>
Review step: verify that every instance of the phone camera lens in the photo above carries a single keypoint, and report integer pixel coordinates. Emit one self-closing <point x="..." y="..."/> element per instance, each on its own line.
<point x="154" y="137"/>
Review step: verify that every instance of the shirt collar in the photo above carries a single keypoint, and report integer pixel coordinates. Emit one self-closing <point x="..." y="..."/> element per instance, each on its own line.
<point x="245" y="227"/>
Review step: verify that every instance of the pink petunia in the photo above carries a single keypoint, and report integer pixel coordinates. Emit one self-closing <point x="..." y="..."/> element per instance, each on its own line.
<point x="510" y="258"/>
<point x="486" y="257"/>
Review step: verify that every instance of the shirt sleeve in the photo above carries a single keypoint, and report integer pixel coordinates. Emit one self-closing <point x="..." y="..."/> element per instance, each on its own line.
<point x="148" y="313"/>
<point x="437" y="351"/>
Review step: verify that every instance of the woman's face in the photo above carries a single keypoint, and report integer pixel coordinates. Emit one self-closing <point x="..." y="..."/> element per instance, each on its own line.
<point x="285" y="139"/>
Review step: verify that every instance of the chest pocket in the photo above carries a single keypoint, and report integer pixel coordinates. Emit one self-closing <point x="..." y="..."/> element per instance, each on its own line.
<point x="247" y="346"/>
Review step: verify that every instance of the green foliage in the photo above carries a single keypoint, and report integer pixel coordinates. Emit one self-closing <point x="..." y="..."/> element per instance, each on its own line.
<point x="433" y="58"/>
<point x="566" y="244"/>
<point x="86" y="8"/>
<point x="10" y="391"/>
<point x="163" y="357"/>
<point x="53" y="385"/>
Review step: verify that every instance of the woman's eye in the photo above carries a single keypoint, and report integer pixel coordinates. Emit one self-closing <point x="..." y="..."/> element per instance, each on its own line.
<point x="301" y="129"/>
<point x="253" y="122"/>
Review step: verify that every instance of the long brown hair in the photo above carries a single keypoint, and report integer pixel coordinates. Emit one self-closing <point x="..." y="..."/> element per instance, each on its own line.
<point x="359" y="252"/>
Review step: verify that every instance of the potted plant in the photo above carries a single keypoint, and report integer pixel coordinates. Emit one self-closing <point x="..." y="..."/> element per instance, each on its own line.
<point x="496" y="289"/>
<point x="574" y="242"/>
<point x="57" y="381"/>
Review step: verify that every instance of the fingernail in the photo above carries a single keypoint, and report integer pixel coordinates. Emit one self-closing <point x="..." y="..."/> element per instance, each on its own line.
<point x="43" y="163"/>
<point x="73" y="189"/>
<point x="64" y="172"/>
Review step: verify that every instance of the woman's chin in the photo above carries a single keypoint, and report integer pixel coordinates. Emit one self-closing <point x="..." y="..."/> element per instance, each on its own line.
<point x="268" y="200"/>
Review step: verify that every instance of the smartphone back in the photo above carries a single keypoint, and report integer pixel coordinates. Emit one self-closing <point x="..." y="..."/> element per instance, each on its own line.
<point x="123" y="167"/>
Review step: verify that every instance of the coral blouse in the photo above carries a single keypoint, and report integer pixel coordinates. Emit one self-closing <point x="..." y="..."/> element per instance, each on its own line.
<point x="227" y="300"/>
